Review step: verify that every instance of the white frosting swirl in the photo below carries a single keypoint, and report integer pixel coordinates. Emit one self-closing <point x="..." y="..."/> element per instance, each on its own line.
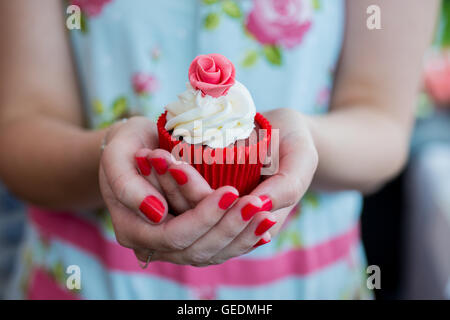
<point x="215" y="122"/>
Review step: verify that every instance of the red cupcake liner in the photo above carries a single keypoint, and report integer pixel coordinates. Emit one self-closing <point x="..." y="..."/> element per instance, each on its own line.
<point x="237" y="165"/>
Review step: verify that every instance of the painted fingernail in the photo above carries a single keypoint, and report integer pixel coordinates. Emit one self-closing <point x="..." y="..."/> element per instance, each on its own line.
<point x="144" y="166"/>
<point x="264" y="225"/>
<point x="153" y="208"/>
<point x="261" y="242"/>
<point x="249" y="210"/>
<point x="227" y="200"/>
<point x="267" y="203"/>
<point x="159" y="164"/>
<point x="179" y="176"/>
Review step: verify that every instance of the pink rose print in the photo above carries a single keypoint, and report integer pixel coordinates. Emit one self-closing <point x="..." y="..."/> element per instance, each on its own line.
<point x="437" y="79"/>
<point x="280" y="22"/>
<point x="213" y="74"/>
<point x="91" y="8"/>
<point x="144" y="83"/>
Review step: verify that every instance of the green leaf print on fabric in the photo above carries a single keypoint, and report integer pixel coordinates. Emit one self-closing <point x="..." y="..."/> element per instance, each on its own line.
<point x="311" y="199"/>
<point x="290" y="237"/>
<point x="120" y="106"/>
<point x="211" y="21"/>
<point x="58" y="273"/>
<point x="98" y="106"/>
<point x="316" y="4"/>
<point x="210" y="1"/>
<point x="105" y="124"/>
<point x="104" y="219"/>
<point x="83" y="23"/>
<point x="444" y="29"/>
<point x="232" y="9"/>
<point x="251" y="57"/>
<point x="273" y="55"/>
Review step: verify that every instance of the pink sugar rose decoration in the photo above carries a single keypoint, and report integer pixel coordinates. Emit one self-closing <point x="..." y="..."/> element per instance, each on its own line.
<point x="280" y="22"/>
<point x="144" y="83"/>
<point x="212" y="74"/>
<point x="92" y="8"/>
<point x="437" y="79"/>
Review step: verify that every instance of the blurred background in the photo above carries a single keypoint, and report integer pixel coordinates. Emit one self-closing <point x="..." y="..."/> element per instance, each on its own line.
<point x="405" y="226"/>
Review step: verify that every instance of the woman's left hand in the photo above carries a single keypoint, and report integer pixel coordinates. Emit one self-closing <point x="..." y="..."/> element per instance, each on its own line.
<point x="297" y="156"/>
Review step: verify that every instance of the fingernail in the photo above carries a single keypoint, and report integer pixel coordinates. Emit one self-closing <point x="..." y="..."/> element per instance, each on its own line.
<point x="144" y="166"/>
<point x="179" y="176"/>
<point x="261" y="242"/>
<point x="153" y="208"/>
<point x="267" y="203"/>
<point x="227" y="200"/>
<point x="265" y="225"/>
<point x="248" y="211"/>
<point x="159" y="164"/>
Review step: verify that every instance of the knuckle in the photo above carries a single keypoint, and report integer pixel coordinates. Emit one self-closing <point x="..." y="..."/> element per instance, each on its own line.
<point x="199" y="258"/>
<point x="174" y="242"/>
<point x="293" y="191"/>
<point x="171" y="192"/>
<point x="228" y="233"/>
<point x="243" y="247"/>
<point x="205" y="218"/>
<point x="119" y="185"/>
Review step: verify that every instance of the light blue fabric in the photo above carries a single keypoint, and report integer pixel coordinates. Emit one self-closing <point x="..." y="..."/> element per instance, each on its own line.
<point x="12" y="224"/>
<point x="160" y="39"/>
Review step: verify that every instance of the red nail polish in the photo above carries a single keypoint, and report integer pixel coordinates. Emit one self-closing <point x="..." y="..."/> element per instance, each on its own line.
<point x="144" y="166"/>
<point x="227" y="200"/>
<point x="153" y="208"/>
<point x="265" y="225"/>
<point x="267" y="203"/>
<point x="159" y="164"/>
<point x="179" y="176"/>
<point x="260" y="243"/>
<point x="249" y="210"/>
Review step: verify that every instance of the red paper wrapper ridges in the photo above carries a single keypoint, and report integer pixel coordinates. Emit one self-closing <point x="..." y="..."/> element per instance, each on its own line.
<point x="244" y="176"/>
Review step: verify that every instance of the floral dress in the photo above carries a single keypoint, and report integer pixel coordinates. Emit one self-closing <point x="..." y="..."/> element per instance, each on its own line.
<point x="132" y="57"/>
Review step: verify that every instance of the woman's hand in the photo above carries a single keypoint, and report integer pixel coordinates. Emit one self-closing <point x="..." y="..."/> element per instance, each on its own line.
<point x="297" y="156"/>
<point x="248" y="221"/>
<point x="200" y="236"/>
<point x="224" y="225"/>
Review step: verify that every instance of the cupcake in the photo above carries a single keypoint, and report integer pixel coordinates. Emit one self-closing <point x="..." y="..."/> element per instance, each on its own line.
<point x="214" y="126"/>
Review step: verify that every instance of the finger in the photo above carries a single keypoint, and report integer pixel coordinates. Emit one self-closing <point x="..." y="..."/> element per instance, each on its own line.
<point x="160" y="161"/>
<point x="185" y="229"/>
<point x="142" y="162"/>
<point x="131" y="230"/>
<point x="129" y="187"/>
<point x="183" y="186"/>
<point x="223" y="233"/>
<point x="248" y="238"/>
<point x="298" y="162"/>
<point x="190" y="182"/>
<point x="145" y="168"/>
